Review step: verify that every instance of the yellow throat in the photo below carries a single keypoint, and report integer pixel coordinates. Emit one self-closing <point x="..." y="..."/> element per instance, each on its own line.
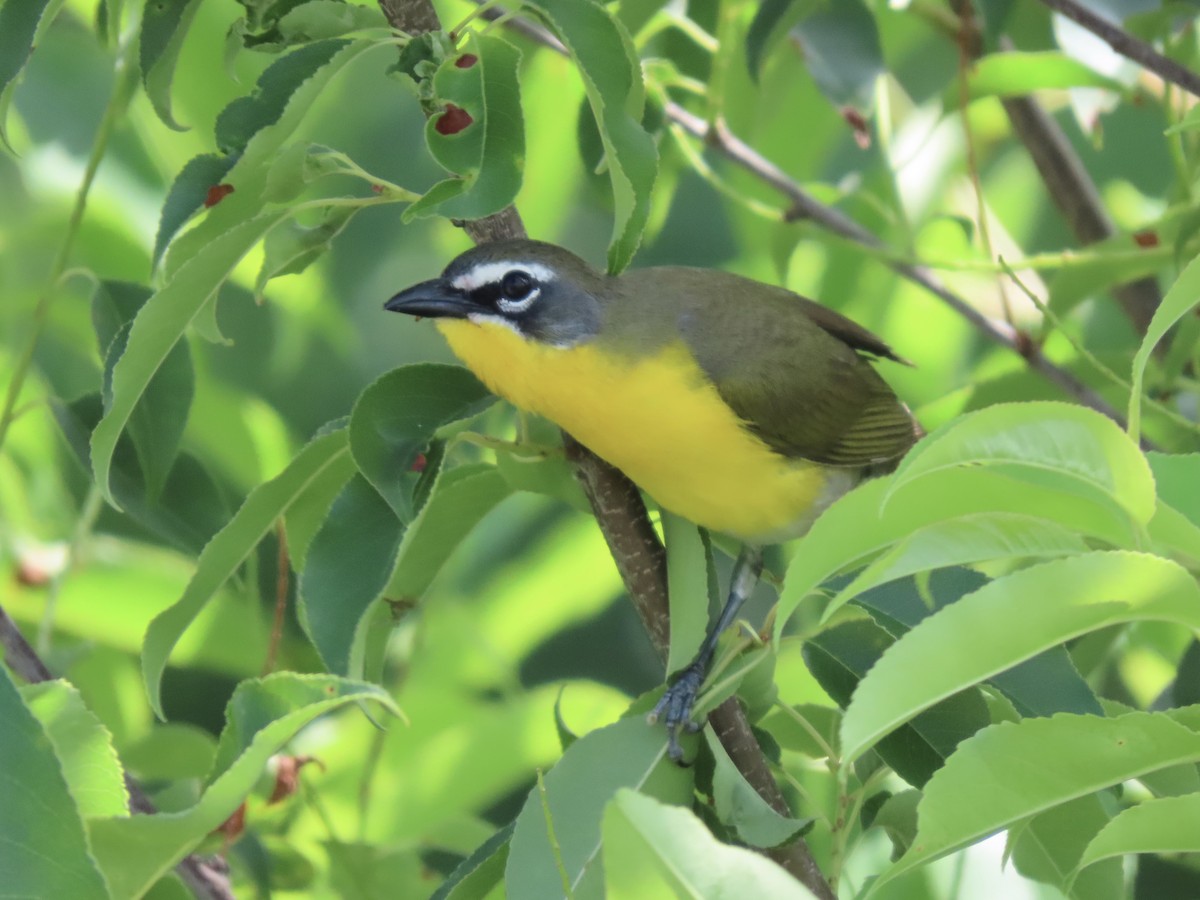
<point x="660" y="421"/>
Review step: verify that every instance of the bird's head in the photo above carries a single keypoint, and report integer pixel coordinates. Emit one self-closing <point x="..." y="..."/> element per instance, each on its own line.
<point x="542" y="292"/>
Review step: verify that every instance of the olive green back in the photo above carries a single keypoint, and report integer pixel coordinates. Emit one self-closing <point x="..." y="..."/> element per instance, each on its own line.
<point x="792" y="369"/>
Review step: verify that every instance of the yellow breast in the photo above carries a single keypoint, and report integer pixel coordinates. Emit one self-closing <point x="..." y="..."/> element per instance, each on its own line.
<point x="659" y="421"/>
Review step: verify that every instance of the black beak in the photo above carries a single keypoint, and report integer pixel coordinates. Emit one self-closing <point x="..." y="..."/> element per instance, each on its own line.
<point x="433" y="298"/>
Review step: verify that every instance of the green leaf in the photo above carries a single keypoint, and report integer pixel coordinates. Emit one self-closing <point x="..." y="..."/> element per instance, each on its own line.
<point x="860" y="525"/>
<point x="1072" y="442"/>
<point x="1007" y="621"/>
<point x="45" y="851"/>
<point x="840" y="44"/>
<point x="84" y="748"/>
<point x="612" y="77"/>
<point x="739" y="805"/>
<point x="963" y="541"/>
<point x="486" y="152"/>
<point x="652" y="849"/>
<point x="160" y="324"/>
<point x="990" y="784"/>
<point x="459" y="500"/>
<point x="1176" y="477"/>
<point x="841" y="656"/>
<point x="480" y="872"/>
<point x="319" y="20"/>
<point x="164" y="25"/>
<point x="291" y="248"/>
<point x="628" y="753"/>
<point x="187" y="196"/>
<point x="771" y="21"/>
<point x="157" y="422"/>
<point x="1048" y="847"/>
<point x="262" y="716"/>
<point x="1183" y="296"/>
<point x="396" y="417"/>
<point x="254" y="129"/>
<point x="22" y="23"/>
<point x="1014" y="73"/>
<point x="546" y="473"/>
<point x="1039" y="686"/>
<point x="687" y="589"/>
<point x="1166" y="825"/>
<point x="221" y="558"/>
<point x="243" y="118"/>
<point x="345" y="572"/>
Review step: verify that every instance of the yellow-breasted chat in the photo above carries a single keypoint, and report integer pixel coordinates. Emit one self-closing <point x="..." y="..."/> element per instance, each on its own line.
<point x="740" y="406"/>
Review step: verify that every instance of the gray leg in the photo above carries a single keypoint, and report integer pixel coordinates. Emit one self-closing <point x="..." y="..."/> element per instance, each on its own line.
<point x="675" y="706"/>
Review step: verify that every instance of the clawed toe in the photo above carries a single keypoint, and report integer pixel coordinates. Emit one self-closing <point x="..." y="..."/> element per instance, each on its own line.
<point x="674" y="709"/>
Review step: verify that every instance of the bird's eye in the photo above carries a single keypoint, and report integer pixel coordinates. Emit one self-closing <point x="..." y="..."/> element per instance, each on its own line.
<point x="516" y="285"/>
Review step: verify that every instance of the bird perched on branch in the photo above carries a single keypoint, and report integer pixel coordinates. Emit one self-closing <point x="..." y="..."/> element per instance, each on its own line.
<point x="740" y="406"/>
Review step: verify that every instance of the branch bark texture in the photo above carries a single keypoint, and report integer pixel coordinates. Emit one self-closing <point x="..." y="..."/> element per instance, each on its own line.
<point x="1127" y="45"/>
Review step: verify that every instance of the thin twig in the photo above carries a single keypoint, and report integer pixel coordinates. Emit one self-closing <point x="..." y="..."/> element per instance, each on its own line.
<point x="205" y="879"/>
<point x="1127" y="45"/>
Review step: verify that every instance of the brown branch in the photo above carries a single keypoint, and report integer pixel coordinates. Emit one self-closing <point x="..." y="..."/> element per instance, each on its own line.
<point x="205" y="879"/>
<point x="1127" y="45"/>
<point x="639" y="555"/>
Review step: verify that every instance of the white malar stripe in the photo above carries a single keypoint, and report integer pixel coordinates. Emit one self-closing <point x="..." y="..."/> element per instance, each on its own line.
<point x="512" y="307"/>
<point x="490" y="319"/>
<point x="492" y="272"/>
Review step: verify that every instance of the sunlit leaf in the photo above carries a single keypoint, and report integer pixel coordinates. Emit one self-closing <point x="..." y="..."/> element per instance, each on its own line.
<point x="989" y="784"/>
<point x="1007" y="621"/>
<point x="1167" y="825"/>
<point x="652" y="849"/>
<point x="45" y="851"/>
<point x="84" y="748"/>
<point x="1072" y="442"/>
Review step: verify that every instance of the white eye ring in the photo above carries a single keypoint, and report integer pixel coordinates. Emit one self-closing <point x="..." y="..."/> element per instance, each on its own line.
<point x="511" y="307"/>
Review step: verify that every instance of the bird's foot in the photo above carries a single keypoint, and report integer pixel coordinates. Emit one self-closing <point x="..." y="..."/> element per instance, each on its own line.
<point x="674" y="708"/>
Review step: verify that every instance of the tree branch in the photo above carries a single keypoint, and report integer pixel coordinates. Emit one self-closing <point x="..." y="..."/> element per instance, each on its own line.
<point x="639" y="555"/>
<point x="205" y="879"/>
<point x="1127" y="45"/>
<point x="1075" y="195"/>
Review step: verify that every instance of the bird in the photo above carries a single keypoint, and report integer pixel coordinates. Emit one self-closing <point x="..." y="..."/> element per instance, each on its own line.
<point x="738" y="405"/>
